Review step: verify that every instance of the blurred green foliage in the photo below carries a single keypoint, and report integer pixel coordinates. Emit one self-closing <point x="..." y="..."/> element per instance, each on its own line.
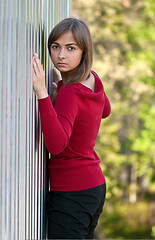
<point x="123" y="34"/>
<point x="125" y="221"/>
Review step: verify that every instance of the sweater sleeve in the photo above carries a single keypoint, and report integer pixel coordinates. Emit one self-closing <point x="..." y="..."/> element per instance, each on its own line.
<point x="107" y="108"/>
<point x="57" y="122"/>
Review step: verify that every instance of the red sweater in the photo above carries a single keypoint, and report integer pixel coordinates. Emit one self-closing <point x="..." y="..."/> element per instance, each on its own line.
<point x="70" y="130"/>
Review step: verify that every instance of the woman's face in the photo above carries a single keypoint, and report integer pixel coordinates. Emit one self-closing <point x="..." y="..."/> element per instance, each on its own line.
<point x="65" y="53"/>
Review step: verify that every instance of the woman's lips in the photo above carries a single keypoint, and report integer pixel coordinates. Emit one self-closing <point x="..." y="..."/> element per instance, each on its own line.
<point x="62" y="64"/>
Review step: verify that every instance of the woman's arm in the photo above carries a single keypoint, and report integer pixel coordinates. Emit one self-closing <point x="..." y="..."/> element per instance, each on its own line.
<point x="107" y="107"/>
<point x="56" y="129"/>
<point x="56" y="123"/>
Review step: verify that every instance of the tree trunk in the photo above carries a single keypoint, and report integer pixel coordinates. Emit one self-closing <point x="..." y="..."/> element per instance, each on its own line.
<point x="133" y="185"/>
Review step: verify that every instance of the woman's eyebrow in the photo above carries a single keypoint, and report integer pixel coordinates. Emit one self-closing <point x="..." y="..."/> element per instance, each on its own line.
<point x="68" y="44"/>
<point x="55" y="43"/>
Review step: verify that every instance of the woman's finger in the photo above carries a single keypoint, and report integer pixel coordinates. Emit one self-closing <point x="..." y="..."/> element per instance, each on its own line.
<point x="35" y="67"/>
<point x="54" y="85"/>
<point x="38" y="63"/>
<point x="35" y="55"/>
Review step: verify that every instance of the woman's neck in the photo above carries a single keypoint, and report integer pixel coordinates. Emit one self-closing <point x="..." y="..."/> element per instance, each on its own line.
<point x="65" y="76"/>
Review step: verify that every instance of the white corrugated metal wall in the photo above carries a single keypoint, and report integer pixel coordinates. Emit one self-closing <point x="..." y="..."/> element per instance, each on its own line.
<point x="24" y="29"/>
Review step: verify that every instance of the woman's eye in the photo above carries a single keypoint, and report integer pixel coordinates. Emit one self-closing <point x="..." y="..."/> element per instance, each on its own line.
<point x="71" y="48"/>
<point x="55" y="47"/>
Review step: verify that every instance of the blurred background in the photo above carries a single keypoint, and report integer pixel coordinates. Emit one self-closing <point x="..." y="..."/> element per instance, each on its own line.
<point x="123" y="34"/>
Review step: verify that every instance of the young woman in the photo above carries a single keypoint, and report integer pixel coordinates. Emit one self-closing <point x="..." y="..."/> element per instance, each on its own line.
<point x="70" y="128"/>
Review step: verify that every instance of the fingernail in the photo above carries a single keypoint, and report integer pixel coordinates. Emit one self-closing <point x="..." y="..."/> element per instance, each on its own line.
<point x="54" y="84"/>
<point x="36" y="54"/>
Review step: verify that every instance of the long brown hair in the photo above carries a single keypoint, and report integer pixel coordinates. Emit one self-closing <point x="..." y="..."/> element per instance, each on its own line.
<point x="82" y="36"/>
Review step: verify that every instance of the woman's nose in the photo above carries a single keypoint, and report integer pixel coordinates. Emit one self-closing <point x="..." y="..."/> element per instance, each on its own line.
<point x="61" y="54"/>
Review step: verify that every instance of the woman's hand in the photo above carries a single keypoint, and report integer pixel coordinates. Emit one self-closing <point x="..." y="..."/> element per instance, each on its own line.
<point x="56" y="78"/>
<point x="38" y="77"/>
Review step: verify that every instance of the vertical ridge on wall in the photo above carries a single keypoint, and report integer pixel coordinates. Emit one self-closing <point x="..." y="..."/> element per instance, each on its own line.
<point x="29" y="120"/>
<point x="3" y="127"/>
<point x="13" y="126"/>
<point x="24" y="29"/>
<point x="22" y="160"/>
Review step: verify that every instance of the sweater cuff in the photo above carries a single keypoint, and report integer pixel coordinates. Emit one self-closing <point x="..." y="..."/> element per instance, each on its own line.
<point x="44" y="105"/>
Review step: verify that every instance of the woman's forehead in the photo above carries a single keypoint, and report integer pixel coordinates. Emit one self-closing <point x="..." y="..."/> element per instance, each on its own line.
<point x="66" y="36"/>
